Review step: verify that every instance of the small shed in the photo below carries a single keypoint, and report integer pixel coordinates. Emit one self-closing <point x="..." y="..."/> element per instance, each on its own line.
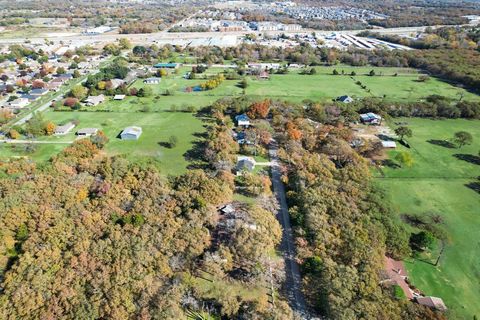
<point x="64" y="129"/>
<point x="152" y="81"/>
<point x="389" y="144"/>
<point x="119" y="97"/>
<point x="345" y="99"/>
<point x="264" y="75"/>
<point x="432" y="302"/>
<point x="87" y="132"/>
<point x="131" y="133"/>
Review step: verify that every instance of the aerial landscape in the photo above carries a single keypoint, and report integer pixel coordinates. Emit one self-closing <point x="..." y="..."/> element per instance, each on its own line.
<point x="198" y="159"/>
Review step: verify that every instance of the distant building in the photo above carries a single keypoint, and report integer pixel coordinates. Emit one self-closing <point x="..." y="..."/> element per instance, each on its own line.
<point x="97" y="30"/>
<point x="63" y="130"/>
<point x="93" y="101"/>
<point x="116" y="83"/>
<point x="370" y="118"/>
<point x="162" y="65"/>
<point x="131" y="133"/>
<point x="87" y="132"/>
<point x="432" y="302"/>
<point x="242" y="120"/>
<point x="38" y="92"/>
<point x="345" y="99"/>
<point x="152" y="81"/>
<point x="119" y="97"/>
<point x="29" y="97"/>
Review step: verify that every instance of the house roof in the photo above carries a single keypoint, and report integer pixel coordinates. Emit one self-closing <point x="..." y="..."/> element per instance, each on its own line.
<point x="95" y="99"/>
<point x="370" y="116"/>
<point x="38" y="91"/>
<point x="389" y="144"/>
<point x="132" y="130"/>
<point x="344" y="98"/>
<point x="165" y="65"/>
<point x="432" y="302"/>
<point x="66" y="127"/>
<point x="242" y="117"/>
<point x="87" y="131"/>
<point x="151" y="80"/>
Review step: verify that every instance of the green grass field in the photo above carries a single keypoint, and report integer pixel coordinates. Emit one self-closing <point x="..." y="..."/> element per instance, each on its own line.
<point x="436" y="183"/>
<point x="293" y="87"/>
<point x="157" y="128"/>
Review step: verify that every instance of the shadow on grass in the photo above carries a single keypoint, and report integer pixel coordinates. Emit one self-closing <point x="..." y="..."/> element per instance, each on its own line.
<point x="468" y="157"/>
<point x="391" y="164"/>
<point x="475" y="186"/>
<point x="442" y="143"/>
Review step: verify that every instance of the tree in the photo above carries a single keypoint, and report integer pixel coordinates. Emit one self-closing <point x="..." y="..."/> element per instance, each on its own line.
<point x="462" y="138"/>
<point x="145" y="92"/>
<point x="13" y="134"/>
<point x="124" y="43"/>
<point x="335" y="72"/>
<point x="422" y="240"/>
<point x="243" y="83"/>
<point x="405" y="158"/>
<point x="403" y="132"/>
<point x="49" y="128"/>
<point x="78" y="92"/>
<point x="371" y="73"/>
<point x="172" y="141"/>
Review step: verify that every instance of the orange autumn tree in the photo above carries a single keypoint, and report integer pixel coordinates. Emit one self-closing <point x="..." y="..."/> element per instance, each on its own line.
<point x="259" y="109"/>
<point x="292" y="131"/>
<point x="49" y="128"/>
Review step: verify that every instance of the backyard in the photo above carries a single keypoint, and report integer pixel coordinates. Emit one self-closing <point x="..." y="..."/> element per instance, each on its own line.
<point x="437" y="184"/>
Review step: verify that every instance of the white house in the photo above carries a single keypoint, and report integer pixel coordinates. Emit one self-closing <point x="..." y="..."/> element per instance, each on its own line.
<point x="19" y="103"/>
<point x="63" y="130"/>
<point x="87" y="132"/>
<point x="152" y="81"/>
<point x="92" y="101"/>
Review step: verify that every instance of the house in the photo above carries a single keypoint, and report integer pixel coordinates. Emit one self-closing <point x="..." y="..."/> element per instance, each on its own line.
<point x="163" y="65"/>
<point x="370" y="118"/>
<point x="432" y="302"/>
<point x="92" y="101"/>
<point x="245" y="164"/>
<point x="264" y="75"/>
<point x="228" y="209"/>
<point x="152" y="81"/>
<point x="345" y="99"/>
<point x="242" y="120"/>
<point x="119" y="97"/>
<point x="54" y="85"/>
<point x="19" y="103"/>
<point x="131" y="133"/>
<point x="64" y="76"/>
<point x="63" y="130"/>
<point x="87" y="132"/>
<point x="29" y="97"/>
<point x="38" y="92"/>
<point x="116" y="83"/>
<point x="389" y="144"/>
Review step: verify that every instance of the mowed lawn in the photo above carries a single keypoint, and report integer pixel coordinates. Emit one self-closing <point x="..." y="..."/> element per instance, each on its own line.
<point x="157" y="128"/>
<point x="293" y="87"/>
<point x="437" y="184"/>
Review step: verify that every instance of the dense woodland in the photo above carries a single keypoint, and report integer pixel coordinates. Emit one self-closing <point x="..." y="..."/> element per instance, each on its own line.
<point x="87" y="236"/>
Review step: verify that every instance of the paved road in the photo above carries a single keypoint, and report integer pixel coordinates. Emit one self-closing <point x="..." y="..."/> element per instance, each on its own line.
<point x="293" y="279"/>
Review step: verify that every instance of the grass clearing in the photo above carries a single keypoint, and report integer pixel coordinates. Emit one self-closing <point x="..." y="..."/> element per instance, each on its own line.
<point x="437" y="184"/>
<point x="157" y="128"/>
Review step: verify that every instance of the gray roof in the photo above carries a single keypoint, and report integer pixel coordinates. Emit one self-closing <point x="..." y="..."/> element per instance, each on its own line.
<point x="85" y="131"/>
<point x="132" y="130"/>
